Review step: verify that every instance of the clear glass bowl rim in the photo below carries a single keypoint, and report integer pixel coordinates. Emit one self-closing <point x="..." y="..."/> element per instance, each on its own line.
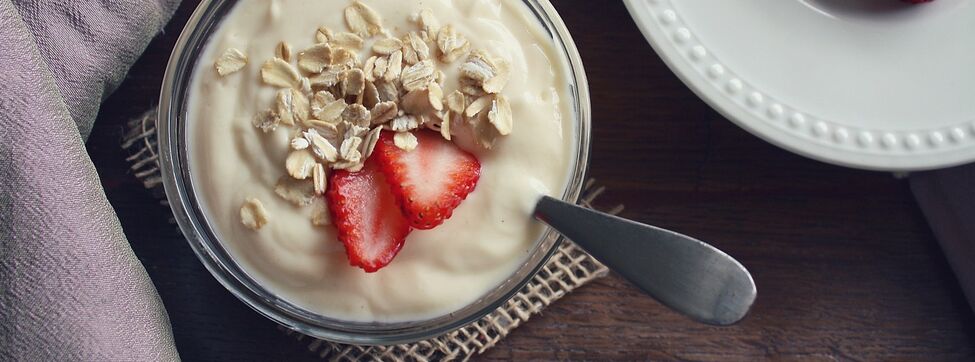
<point x="202" y="239"/>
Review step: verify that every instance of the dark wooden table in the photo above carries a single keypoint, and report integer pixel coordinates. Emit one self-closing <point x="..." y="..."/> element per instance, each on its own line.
<point x="846" y="267"/>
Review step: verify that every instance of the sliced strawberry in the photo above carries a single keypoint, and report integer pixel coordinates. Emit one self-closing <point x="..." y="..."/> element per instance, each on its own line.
<point x="367" y="216"/>
<point x="429" y="181"/>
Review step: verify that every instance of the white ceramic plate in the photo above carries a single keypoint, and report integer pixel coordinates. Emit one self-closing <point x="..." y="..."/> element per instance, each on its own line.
<point x="874" y="84"/>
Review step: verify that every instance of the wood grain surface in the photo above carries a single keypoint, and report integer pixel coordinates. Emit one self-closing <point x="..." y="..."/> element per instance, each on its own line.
<point x="846" y="266"/>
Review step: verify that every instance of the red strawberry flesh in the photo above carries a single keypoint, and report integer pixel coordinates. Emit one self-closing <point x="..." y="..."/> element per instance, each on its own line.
<point x="429" y="181"/>
<point x="367" y="216"/>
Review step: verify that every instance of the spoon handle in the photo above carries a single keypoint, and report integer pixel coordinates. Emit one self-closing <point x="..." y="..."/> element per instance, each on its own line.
<point x="683" y="273"/>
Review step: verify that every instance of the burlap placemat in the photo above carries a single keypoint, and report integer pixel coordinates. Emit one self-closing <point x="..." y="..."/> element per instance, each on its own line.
<point x="569" y="268"/>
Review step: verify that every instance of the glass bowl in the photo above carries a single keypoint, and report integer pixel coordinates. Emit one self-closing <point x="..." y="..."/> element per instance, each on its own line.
<point x="202" y="238"/>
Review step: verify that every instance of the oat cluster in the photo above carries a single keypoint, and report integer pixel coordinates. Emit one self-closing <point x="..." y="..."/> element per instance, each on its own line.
<point x="337" y="106"/>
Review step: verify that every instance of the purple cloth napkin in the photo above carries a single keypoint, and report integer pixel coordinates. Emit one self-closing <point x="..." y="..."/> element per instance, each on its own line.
<point x="70" y="286"/>
<point x="948" y="200"/>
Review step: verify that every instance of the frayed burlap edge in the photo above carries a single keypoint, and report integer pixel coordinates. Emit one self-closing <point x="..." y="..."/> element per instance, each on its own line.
<point x="569" y="268"/>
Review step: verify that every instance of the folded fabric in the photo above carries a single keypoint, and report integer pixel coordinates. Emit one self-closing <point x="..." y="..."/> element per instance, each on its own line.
<point x="70" y="286"/>
<point x="948" y="200"/>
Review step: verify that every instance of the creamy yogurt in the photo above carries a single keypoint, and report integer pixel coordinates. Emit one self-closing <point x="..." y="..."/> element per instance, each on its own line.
<point x="438" y="271"/>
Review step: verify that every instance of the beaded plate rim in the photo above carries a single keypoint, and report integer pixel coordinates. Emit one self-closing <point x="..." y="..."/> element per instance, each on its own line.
<point x="783" y="125"/>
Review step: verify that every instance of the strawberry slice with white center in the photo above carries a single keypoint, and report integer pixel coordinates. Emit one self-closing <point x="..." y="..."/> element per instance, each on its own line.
<point x="367" y="216"/>
<point x="429" y="181"/>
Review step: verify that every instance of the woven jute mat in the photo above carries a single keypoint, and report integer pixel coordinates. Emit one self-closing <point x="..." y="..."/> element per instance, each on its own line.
<point x="569" y="268"/>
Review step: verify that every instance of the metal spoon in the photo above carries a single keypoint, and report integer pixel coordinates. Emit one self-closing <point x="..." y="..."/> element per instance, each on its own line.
<point x="683" y="273"/>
